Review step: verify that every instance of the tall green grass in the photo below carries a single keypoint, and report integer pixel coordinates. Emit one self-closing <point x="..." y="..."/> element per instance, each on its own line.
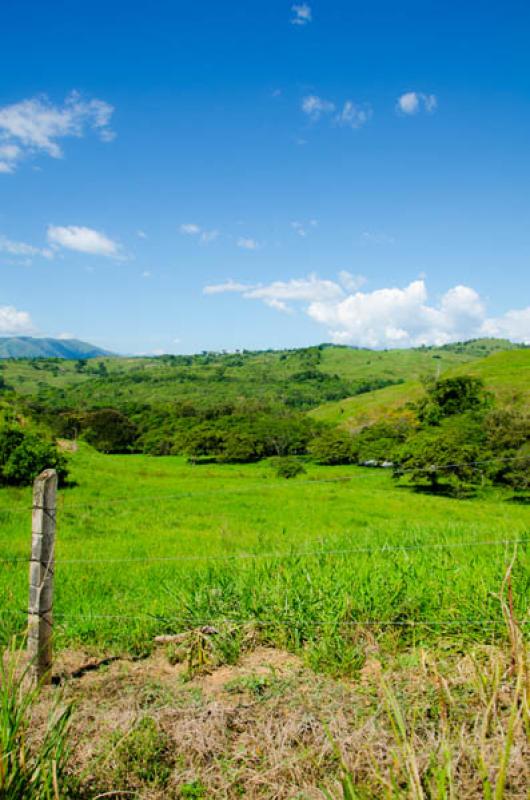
<point x="314" y="562"/>
<point x="29" y="769"/>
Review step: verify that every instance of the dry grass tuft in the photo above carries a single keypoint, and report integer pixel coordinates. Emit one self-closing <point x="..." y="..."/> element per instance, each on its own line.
<point x="424" y="725"/>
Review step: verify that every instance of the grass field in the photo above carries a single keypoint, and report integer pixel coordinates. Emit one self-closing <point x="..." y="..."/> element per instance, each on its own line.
<point x="312" y="560"/>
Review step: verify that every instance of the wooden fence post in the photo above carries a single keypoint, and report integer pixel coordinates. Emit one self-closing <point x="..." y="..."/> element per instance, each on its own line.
<point x="41" y="569"/>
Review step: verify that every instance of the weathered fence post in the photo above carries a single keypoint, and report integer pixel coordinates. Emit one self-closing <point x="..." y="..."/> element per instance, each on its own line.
<point x="41" y="569"/>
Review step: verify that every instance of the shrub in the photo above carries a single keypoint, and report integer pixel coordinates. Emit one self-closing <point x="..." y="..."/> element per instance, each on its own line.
<point x="24" y="455"/>
<point x="288" y="467"/>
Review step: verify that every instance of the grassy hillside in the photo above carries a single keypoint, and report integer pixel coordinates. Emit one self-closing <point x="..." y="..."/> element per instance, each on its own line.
<point x="505" y="373"/>
<point x="300" y="379"/>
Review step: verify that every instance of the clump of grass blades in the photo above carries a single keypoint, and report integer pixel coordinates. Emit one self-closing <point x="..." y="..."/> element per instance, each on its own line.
<point x="418" y="775"/>
<point x="29" y="770"/>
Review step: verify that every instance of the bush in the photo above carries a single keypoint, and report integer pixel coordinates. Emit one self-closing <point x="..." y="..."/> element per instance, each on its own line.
<point x="24" y="455"/>
<point x="288" y="467"/>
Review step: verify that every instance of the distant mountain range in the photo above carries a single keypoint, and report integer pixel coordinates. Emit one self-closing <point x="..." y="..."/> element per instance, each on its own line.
<point x="30" y="347"/>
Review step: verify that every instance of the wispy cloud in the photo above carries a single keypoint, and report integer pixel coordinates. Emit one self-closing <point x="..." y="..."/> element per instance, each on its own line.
<point x="387" y="317"/>
<point x="209" y="236"/>
<point x="411" y="103"/>
<point x="315" y="107"/>
<point x="83" y="240"/>
<point x="279" y="293"/>
<point x="302" y="14"/>
<point x="190" y="229"/>
<point x="246" y="243"/>
<point x="22" y="249"/>
<point x="349" y="114"/>
<point x="303" y="228"/>
<point x="227" y="286"/>
<point x="35" y="125"/>
<point x="377" y="237"/>
<point x="353" y="116"/>
<point x="204" y="236"/>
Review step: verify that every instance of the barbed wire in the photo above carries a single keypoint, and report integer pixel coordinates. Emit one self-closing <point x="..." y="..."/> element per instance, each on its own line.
<point x="61" y="506"/>
<point x="283" y="555"/>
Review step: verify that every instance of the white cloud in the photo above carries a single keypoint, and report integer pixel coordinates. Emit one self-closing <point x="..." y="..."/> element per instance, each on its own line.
<point x="388" y="317"/>
<point x="209" y="236"/>
<point x="22" y="249"/>
<point x="513" y="325"/>
<point x="278" y="293"/>
<point x="351" y="282"/>
<point x="146" y="274"/>
<point x="14" y="322"/>
<point x="353" y="116"/>
<point x="377" y="237"/>
<point x="36" y="125"/>
<point x="141" y="234"/>
<point x="412" y="102"/>
<point x="302" y="14"/>
<point x="83" y="240"/>
<point x="315" y="106"/>
<point x="247" y="243"/>
<point x="190" y="229"/>
<point x="350" y="115"/>
<point x="302" y="228"/>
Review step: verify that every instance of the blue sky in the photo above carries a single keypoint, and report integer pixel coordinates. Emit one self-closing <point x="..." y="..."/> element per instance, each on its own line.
<point x="180" y="176"/>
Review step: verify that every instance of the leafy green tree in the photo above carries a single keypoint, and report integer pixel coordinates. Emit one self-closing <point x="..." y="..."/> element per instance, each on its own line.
<point x="109" y="431"/>
<point x="334" y="446"/>
<point x="240" y="448"/>
<point x="23" y="455"/>
<point x="449" y="396"/>
<point x="452" y="456"/>
<point x="508" y="436"/>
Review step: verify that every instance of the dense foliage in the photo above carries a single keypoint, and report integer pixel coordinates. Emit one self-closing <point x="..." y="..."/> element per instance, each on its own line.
<point x="245" y="406"/>
<point x="23" y="455"/>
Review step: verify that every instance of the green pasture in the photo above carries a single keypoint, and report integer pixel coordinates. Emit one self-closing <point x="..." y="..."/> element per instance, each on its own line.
<point x="506" y="374"/>
<point x="316" y="561"/>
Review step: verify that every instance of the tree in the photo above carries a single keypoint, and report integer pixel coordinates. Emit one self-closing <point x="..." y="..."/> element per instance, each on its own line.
<point x="451" y="455"/>
<point x="334" y="446"/>
<point x="109" y="431"/>
<point x="450" y="396"/>
<point x="508" y="435"/>
<point x="24" y="455"/>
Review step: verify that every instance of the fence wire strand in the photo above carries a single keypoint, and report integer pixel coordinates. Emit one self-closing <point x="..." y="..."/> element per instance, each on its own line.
<point x="386" y="548"/>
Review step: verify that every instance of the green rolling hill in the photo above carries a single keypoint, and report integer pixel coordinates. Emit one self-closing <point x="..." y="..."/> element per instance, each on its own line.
<point x="31" y="347"/>
<point x="505" y="373"/>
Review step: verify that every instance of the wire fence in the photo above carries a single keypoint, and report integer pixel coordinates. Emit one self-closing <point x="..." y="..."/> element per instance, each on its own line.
<point x="187" y="622"/>
<point x="279" y="555"/>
